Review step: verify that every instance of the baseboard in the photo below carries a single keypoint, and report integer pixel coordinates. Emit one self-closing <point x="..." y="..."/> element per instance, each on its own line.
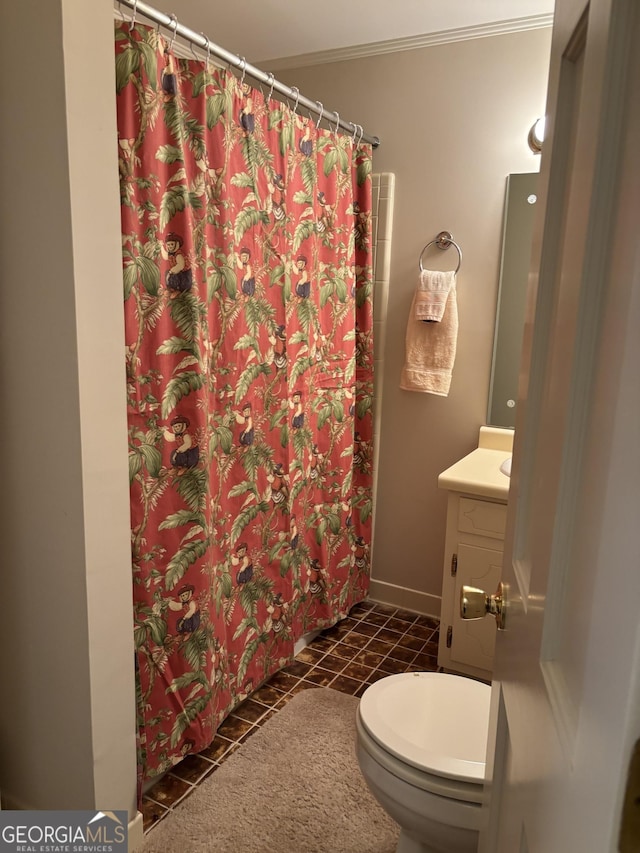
<point x="136" y="833"/>
<point x="305" y="641"/>
<point x="409" y="599"/>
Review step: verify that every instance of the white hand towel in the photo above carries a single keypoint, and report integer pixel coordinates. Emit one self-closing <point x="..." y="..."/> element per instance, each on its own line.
<point x="430" y="348"/>
<point x="432" y="293"/>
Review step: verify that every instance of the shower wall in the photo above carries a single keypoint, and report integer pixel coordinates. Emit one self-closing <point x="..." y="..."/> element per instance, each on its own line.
<point x="382" y="199"/>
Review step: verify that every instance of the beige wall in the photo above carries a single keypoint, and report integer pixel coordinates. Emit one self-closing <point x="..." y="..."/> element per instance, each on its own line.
<point x="67" y="715"/>
<point x="453" y="122"/>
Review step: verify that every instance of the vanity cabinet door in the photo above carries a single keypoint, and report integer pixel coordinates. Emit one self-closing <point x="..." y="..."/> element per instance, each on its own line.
<point x="473" y="557"/>
<point x="473" y="640"/>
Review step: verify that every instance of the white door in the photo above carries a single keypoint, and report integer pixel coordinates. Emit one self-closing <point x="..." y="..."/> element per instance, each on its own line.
<point x="566" y="694"/>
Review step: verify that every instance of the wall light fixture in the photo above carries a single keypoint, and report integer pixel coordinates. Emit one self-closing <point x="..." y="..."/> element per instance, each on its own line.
<point x="536" y="136"/>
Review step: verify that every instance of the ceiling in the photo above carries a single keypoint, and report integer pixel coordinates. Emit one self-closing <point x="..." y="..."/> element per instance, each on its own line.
<point x="267" y="30"/>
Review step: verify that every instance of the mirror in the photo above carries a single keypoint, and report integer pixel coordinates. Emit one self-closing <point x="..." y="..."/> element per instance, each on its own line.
<point x="520" y="209"/>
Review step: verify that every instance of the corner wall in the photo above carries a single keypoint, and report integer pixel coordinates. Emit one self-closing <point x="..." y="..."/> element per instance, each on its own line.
<point x="67" y="716"/>
<point x="453" y="121"/>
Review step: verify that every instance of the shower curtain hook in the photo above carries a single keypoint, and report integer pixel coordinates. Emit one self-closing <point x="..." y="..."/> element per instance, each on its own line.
<point x="272" y="80"/>
<point x="207" y="48"/>
<point x="361" y="135"/>
<point x="174" y="23"/>
<point x="243" y="65"/>
<point x="337" y="122"/>
<point x="133" y="17"/>
<point x="355" y="132"/>
<point x="120" y="12"/>
<point x="321" y="105"/>
<point x="297" y="91"/>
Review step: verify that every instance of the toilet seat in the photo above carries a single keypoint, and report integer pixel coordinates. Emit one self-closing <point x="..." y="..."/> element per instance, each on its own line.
<point x="434" y="722"/>
<point x="445" y="790"/>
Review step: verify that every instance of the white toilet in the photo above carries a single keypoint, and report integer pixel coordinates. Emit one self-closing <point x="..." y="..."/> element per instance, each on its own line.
<point x="421" y="745"/>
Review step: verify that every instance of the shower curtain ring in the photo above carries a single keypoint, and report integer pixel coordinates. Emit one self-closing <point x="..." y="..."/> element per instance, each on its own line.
<point x="355" y="131"/>
<point x="207" y="48"/>
<point x="297" y="91"/>
<point x="361" y="134"/>
<point x="321" y="105"/>
<point x="337" y="122"/>
<point x="243" y="66"/>
<point x="272" y="80"/>
<point x="133" y="17"/>
<point x="174" y="24"/>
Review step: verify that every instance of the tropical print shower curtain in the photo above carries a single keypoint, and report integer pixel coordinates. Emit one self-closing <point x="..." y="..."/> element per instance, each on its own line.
<point x="246" y="241"/>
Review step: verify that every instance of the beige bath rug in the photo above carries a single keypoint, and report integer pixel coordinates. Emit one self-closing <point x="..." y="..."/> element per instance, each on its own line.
<point x="293" y="787"/>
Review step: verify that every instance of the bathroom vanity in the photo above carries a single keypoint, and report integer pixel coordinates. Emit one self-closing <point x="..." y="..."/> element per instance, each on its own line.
<point x="476" y="520"/>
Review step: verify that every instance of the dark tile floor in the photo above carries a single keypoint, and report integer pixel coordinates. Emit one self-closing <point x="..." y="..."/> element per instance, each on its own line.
<point x="373" y="641"/>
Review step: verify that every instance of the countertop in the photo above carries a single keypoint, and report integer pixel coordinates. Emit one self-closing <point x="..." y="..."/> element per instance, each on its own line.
<point x="479" y="472"/>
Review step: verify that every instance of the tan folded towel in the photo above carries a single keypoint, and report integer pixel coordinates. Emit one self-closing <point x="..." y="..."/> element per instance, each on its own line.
<point x="430" y="349"/>
<point x="432" y="293"/>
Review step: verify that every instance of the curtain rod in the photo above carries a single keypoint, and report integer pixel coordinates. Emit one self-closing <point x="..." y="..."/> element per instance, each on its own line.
<point x="239" y="62"/>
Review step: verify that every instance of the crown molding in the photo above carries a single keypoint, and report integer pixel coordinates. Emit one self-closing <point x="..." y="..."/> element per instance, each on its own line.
<point x="359" y="51"/>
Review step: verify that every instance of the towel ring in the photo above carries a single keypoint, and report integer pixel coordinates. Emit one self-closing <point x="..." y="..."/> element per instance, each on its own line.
<point x="442" y="241"/>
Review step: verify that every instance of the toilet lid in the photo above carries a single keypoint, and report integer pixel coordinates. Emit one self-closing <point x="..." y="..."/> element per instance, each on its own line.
<point x="434" y="721"/>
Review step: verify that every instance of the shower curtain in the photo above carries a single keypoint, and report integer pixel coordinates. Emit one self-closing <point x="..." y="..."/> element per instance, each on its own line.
<point x="247" y="252"/>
